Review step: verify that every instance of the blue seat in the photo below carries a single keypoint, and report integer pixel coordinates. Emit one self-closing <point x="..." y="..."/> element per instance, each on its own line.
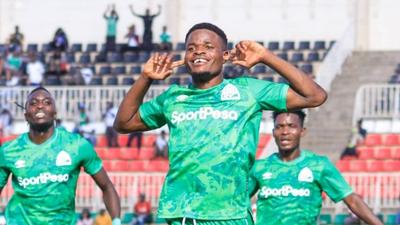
<point x="76" y="47"/>
<point x="288" y="45"/>
<point x="32" y="48"/>
<point x="112" y="81"/>
<point x="128" y="81"/>
<point x="115" y="57"/>
<point x="283" y="55"/>
<point x="136" y="70"/>
<point x="258" y="69"/>
<point x="118" y="70"/>
<point x="304" y="45"/>
<point x="180" y="46"/>
<point x="174" y="80"/>
<point x="307" y="68"/>
<point x="325" y="219"/>
<point x="70" y="57"/>
<point x="230" y="45"/>
<point x="46" y="47"/>
<point x="319" y="45"/>
<point x="273" y="45"/>
<point x="52" y="81"/>
<point x="297" y="57"/>
<point x="181" y="70"/>
<point x="143" y="57"/>
<point x="84" y="58"/>
<point x="96" y="81"/>
<point x="313" y="57"/>
<point x="128" y="217"/>
<point x="130" y="57"/>
<point x="105" y="70"/>
<point x="91" y="47"/>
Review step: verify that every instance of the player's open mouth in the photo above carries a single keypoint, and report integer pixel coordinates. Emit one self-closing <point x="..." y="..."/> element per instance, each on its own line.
<point x="200" y="61"/>
<point x="40" y="115"/>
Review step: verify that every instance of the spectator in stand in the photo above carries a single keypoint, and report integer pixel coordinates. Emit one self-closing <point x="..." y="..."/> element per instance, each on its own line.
<point x="161" y="146"/>
<point x="102" y="218"/>
<point x="133" y="40"/>
<point x="82" y="120"/>
<point x="142" y="209"/>
<point x="60" y="41"/>
<point x="86" y="73"/>
<point x="6" y="121"/>
<point x="16" y="40"/>
<point x="109" y="117"/>
<point x="35" y="70"/>
<point x="1" y="65"/>
<point x="112" y="20"/>
<point x="352" y="219"/>
<point x="139" y="137"/>
<point x="357" y="137"/>
<point x="165" y="40"/>
<point x="91" y="137"/>
<point x="85" y="218"/>
<point x="147" y="22"/>
<point x="13" y="68"/>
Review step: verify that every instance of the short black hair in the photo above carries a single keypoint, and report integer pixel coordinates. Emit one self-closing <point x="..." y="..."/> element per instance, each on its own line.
<point x="210" y="27"/>
<point x="38" y="89"/>
<point x="299" y="113"/>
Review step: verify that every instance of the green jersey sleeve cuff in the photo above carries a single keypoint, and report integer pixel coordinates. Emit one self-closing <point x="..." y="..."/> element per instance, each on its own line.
<point x="283" y="96"/>
<point x="143" y="113"/>
<point x="343" y="196"/>
<point x="95" y="169"/>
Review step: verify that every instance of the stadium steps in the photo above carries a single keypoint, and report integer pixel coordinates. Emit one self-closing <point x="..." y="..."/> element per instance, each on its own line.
<point x="329" y="127"/>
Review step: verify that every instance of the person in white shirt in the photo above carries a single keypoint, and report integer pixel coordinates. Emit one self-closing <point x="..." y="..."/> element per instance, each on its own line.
<point x="35" y="70"/>
<point x="109" y="117"/>
<point x="161" y="146"/>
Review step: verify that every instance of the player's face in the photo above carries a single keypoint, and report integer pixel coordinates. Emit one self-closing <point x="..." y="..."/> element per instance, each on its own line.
<point x="40" y="110"/>
<point x="205" y="55"/>
<point x="287" y="132"/>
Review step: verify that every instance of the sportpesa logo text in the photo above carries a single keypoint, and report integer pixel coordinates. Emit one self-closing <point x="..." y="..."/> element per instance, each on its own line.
<point x="284" y="191"/>
<point x="204" y="113"/>
<point x="43" y="178"/>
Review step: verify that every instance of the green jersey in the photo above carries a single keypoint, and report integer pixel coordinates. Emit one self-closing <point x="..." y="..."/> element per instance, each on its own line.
<point x="44" y="177"/>
<point x="290" y="192"/>
<point x="213" y="139"/>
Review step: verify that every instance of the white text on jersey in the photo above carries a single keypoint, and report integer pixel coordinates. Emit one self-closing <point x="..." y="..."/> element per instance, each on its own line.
<point x="284" y="191"/>
<point x="43" y="178"/>
<point x="204" y="113"/>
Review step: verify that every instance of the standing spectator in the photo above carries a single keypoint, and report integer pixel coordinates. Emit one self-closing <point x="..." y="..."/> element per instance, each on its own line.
<point x="148" y="22"/>
<point x="82" y="120"/>
<point x="102" y="218"/>
<point x="84" y="218"/>
<point x="357" y="137"/>
<point x="161" y="146"/>
<point x="86" y="73"/>
<point x="112" y="20"/>
<point x="109" y="117"/>
<point x="6" y="120"/>
<point x="60" y="41"/>
<point x="35" y="70"/>
<point x="57" y="64"/>
<point x="142" y="210"/>
<point x="139" y="137"/>
<point x="13" y="68"/>
<point x="165" y="40"/>
<point x="133" y="40"/>
<point x="16" y="40"/>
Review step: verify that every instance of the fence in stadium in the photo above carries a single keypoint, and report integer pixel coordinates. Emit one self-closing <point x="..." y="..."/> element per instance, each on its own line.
<point x="67" y="98"/>
<point x="377" y="101"/>
<point x="380" y="190"/>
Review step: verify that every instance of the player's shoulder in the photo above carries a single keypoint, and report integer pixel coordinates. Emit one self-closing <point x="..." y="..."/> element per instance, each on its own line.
<point x="15" y="143"/>
<point x="242" y="80"/>
<point x="266" y="162"/>
<point x="320" y="159"/>
<point x="68" y="137"/>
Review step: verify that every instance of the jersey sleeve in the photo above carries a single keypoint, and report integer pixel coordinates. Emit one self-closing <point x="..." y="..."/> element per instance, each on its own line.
<point x="253" y="184"/>
<point x="333" y="183"/>
<point x="90" y="161"/>
<point x="152" y="113"/>
<point x="4" y="172"/>
<point x="269" y="95"/>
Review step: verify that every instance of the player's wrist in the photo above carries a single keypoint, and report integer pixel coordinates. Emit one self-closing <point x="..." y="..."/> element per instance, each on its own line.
<point x="116" y="221"/>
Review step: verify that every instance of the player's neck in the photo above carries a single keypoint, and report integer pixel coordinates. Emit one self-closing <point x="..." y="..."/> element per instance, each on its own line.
<point x="39" y="137"/>
<point x="208" y="84"/>
<point x="287" y="156"/>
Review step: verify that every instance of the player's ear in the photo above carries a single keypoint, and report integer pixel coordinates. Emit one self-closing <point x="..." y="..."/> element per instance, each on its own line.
<point x="303" y="131"/>
<point x="226" y="55"/>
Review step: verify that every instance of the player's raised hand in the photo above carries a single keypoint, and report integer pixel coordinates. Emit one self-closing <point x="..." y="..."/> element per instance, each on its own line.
<point x="247" y="53"/>
<point x="159" y="67"/>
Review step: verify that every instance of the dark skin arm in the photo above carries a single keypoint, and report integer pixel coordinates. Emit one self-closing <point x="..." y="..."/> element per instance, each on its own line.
<point x="133" y="12"/>
<point x="303" y="91"/>
<point x="159" y="11"/>
<point x="110" y="196"/>
<point x="358" y="207"/>
<point x="158" y="67"/>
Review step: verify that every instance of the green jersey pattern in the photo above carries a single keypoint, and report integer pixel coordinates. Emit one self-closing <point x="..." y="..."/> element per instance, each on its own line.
<point x="213" y="139"/>
<point x="290" y="192"/>
<point x="44" y="177"/>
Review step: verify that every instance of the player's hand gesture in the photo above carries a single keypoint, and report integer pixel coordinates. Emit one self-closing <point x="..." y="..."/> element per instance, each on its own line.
<point x="247" y="53"/>
<point x="159" y="67"/>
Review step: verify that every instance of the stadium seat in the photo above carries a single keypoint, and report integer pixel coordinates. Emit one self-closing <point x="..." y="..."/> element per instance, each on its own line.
<point x="70" y="56"/>
<point x="297" y="57"/>
<point x="158" y="165"/>
<point x="148" y="140"/>
<point x="288" y="45"/>
<point x="115" y="57"/>
<point x="365" y="153"/>
<point x="313" y="57"/>
<point x="84" y="58"/>
<point x="137" y="165"/>
<point x="273" y="45"/>
<point x="263" y="140"/>
<point x="112" y="80"/>
<point x="91" y="47"/>
<point x="283" y="55"/>
<point x="395" y="154"/>
<point x="107" y="165"/>
<point x="258" y="69"/>
<point x="391" y="165"/>
<point x="119" y="165"/>
<point x="32" y="48"/>
<point x="96" y="81"/>
<point x="304" y="45"/>
<point x="46" y="47"/>
<point x="319" y="45"/>
<point x="339" y="219"/>
<point x="128" y="217"/>
<point x="343" y="165"/>
<point x="136" y="70"/>
<point x="373" y="140"/>
<point x="174" y="80"/>
<point x="181" y="70"/>
<point x="127" y="81"/>
<point x="180" y="46"/>
<point x="130" y="57"/>
<point x="391" y="140"/>
<point x="76" y="47"/>
<point x="146" y="153"/>
<point x="390" y="219"/>
<point x="128" y="153"/>
<point x="307" y="68"/>
<point x="374" y="166"/>
<point x="382" y="153"/>
<point x="325" y="219"/>
<point x="52" y="81"/>
<point x="118" y="70"/>
<point x="357" y="165"/>
<point x="176" y="57"/>
<point x="143" y="57"/>
<point x="105" y="70"/>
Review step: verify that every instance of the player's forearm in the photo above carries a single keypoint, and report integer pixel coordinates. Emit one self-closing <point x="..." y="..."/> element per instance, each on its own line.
<point x="358" y="207"/>
<point x="302" y="84"/>
<point x="130" y="105"/>
<point x="112" y="202"/>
